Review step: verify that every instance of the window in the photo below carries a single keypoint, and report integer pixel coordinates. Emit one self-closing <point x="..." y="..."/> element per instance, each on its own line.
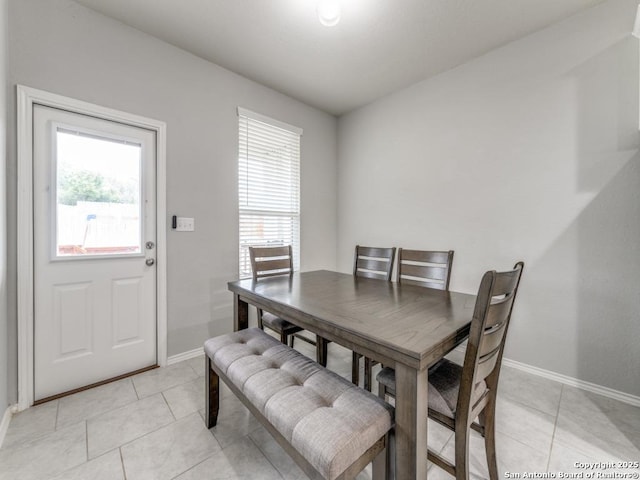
<point x="268" y="185"/>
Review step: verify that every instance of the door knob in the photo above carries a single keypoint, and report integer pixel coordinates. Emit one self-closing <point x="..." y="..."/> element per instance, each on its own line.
<point x="149" y="261"/>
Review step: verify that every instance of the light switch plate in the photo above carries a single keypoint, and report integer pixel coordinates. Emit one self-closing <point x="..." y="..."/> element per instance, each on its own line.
<point x="185" y="224"/>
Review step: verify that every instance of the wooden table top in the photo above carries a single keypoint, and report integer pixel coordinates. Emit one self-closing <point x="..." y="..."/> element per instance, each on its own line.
<point x="406" y="323"/>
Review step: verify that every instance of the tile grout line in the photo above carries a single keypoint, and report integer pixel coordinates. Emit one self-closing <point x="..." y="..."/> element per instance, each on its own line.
<point x="86" y="438"/>
<point x="175" y="419"/>
<point x="165" y="388"/>
<point x="514" y="400"/>
<point x="135" y="390"/>
<point x="264" y="454"/>
<point x="578" y="449"/>
<point x="193" y="466"/>
<point x="194" y="368"/>
<point x="555" y="426"/>
<point x="124" y="471"/>
<point x="55" y="426"/>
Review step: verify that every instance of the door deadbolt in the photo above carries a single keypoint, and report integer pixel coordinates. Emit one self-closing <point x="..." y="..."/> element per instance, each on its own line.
<point x="150" y="245"/>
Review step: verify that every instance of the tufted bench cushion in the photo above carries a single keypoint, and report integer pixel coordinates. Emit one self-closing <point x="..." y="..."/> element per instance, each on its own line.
<point x="325" y="418"/>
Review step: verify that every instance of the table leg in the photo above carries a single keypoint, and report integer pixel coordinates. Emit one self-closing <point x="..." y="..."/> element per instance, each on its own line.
<point x="240" y="313"/>
<point x="411" y="423"/>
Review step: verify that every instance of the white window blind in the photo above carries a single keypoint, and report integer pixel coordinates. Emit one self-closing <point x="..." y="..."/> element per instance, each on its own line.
<point x="268" y="185"/>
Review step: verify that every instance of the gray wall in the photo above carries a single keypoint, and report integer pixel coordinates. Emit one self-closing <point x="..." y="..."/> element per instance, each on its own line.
<point x="59" y="46"/>
<point x="527" y="153"/>
<point x="4" y="367"/>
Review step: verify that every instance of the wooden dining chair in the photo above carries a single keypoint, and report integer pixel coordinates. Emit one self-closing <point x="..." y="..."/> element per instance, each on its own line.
<point x="269" y="262"/>
<point x="458" y="395"/>
<point x="425" y="268"/>
<point x="370" y="262"/>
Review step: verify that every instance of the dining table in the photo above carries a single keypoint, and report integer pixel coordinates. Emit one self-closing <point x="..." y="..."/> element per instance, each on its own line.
<point x="403" y="326"/>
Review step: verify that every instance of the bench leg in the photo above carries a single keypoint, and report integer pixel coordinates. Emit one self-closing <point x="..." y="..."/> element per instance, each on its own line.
<point x="379" y="466"/>
<point x="384" y="464"/>
<point x="212" y="389"/>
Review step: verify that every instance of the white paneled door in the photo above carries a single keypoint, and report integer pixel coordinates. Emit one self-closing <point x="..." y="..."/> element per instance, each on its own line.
<point x="94" y="250"/>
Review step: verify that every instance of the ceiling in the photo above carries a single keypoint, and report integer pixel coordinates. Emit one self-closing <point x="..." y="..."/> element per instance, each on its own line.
<point x="378" y="47"/>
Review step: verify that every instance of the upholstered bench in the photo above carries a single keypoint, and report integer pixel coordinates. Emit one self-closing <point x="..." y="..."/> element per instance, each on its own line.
<point x="329" y="426"/>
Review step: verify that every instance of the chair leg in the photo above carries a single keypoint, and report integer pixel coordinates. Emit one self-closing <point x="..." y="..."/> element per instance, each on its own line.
<point x="291" y="339"/>
<point x="321" y="351"/>
<point x="260" y="324"/>
<point x="382" y="392"/>
<point x="212" y="389"/>
<point x="355" y="368"/>
<point x="368" y="373"/>
<point x="462" y="453"/>
<point x="284" y="338"/>
<point x="488" y="420"/>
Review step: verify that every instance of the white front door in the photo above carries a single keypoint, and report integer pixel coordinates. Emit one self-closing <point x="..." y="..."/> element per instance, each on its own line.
<point x="94" y="191"/>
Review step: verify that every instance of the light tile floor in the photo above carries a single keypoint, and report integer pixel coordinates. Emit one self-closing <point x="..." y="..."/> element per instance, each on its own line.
<point x="151" y="426"/>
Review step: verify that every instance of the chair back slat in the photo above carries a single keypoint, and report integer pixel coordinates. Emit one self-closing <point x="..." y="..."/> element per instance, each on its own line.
<point x="368" y="274"/>
<point x="506" y="282"/>
<point x="270" y="252"/>
<point x="374" y="262"/>
<point x="499" y="311"/>
<point x="436" y="285"/>
<point x="271" y="261"/>
<point x="424" y="271"/>
<point x="430" y="269"/>
<point x="425" y="256"/>
<point x="269" y="268"/>
<point x="376" y="252"/>
<point x="492" y="338"/>
<point x="380" y="266"/>
<point x="486" y="364"/>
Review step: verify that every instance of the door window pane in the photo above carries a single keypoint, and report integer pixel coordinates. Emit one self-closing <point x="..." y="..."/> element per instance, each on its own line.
<point x="98" y="191"/>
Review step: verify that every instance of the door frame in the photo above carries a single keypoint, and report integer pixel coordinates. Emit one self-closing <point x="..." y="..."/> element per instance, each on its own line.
<point x="27" y="97"/>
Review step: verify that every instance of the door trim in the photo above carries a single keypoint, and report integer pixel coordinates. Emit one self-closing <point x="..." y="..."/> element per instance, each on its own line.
<point x="27" y="97"/>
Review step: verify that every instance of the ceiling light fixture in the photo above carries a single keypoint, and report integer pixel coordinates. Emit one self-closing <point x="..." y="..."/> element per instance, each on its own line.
<point x="329" y="12"/>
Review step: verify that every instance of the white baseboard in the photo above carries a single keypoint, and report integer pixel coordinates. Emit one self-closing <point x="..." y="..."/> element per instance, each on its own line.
<point x="180" y="357"/>
<point x="6" y="419"/>
<point x="567" y="380"/>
